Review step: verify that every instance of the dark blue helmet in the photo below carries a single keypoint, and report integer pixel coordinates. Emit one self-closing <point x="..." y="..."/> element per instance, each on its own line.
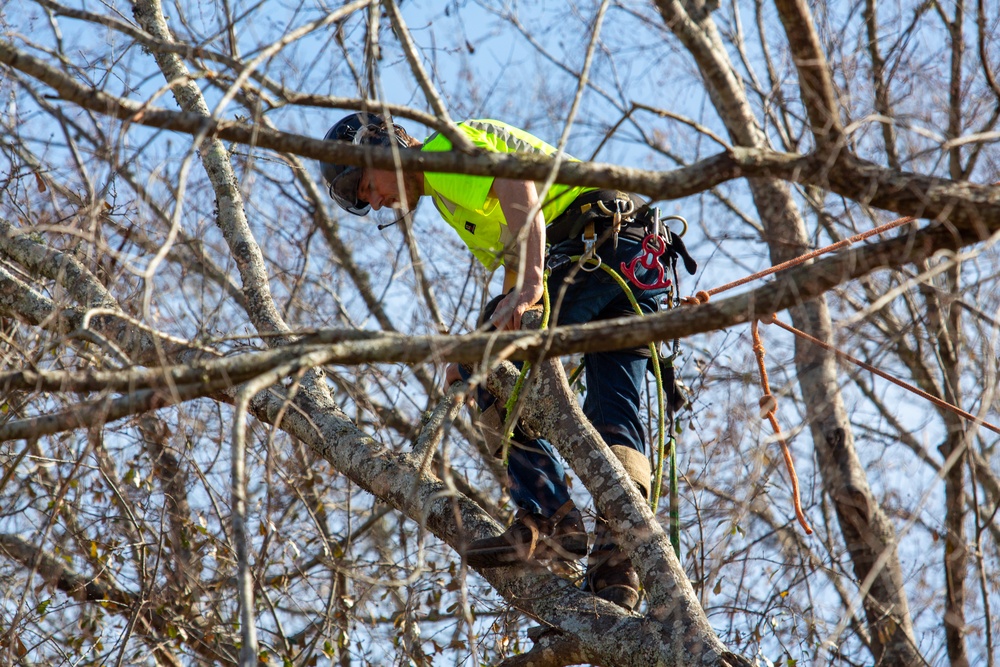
<point x="363" y="129"/>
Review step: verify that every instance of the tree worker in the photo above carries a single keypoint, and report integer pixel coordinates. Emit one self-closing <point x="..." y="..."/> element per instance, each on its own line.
<point x="504" y="224"/>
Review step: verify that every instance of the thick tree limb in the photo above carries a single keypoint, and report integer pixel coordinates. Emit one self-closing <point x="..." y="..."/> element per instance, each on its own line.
<point x="232" y="218"/>
<point x="815" y="82"/>
<point x="110" y="327"/>
<point x="62" y="267"/>
<point x="965" y="205"/>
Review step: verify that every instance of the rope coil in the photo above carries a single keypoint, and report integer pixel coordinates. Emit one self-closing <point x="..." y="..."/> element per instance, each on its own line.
<point x="768" y="407"/>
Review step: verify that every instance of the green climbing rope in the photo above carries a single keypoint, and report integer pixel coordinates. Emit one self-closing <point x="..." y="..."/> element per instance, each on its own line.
<point x="660" y="425"/>
<point x="515" y="394"/>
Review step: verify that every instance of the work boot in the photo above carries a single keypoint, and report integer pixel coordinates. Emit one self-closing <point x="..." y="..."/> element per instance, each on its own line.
<point x="610" y="574"/>
<point x="533" y="538"/>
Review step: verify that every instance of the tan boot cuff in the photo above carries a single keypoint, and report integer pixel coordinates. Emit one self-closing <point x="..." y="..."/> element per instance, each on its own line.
<point x="636" y="465"/>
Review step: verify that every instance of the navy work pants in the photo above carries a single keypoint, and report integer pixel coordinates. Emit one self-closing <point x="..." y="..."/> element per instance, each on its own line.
<point x="615" y="380"/>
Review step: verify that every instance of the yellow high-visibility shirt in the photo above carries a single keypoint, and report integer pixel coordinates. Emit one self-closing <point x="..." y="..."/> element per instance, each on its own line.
<point x="466" y="203"/>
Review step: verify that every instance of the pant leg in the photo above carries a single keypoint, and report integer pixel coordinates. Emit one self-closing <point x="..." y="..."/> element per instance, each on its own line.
<point x="535" y="475"/>
<point x="616" y="379"/>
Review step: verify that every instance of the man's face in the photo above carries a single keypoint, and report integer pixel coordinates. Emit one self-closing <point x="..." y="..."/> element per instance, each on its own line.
<point x="381" y="189"/>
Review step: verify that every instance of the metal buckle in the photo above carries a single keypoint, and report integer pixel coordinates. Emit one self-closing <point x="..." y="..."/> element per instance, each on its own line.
<point x="589" y="247"/>
<point x="556" y="262"/>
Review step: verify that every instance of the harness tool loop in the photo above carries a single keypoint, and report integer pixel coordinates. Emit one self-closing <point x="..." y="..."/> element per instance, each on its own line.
<point x="624" y="208"/>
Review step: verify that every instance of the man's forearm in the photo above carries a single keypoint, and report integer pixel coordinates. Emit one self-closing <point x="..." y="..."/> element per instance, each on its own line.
<point x="524" y="265"/>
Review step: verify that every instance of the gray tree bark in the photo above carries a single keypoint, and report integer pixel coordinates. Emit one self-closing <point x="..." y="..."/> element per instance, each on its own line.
<point x="868" y="533"/>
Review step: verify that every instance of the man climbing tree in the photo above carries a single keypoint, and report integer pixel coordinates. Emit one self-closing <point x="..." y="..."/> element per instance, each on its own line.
<point x="223" y="438"/>
<point x="526" y="229"/>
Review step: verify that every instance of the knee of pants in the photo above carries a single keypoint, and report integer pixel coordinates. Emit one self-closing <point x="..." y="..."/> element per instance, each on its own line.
<point x="614" y="390"/>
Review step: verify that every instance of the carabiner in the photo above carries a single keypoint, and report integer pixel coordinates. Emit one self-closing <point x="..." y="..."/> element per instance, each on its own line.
<point x="684" y="229"/>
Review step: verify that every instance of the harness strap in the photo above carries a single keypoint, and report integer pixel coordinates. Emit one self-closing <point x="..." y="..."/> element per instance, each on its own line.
<point x="588" y="200"/>
<point x="529" y="522"/>
<point x="589" y="239"/>
<point x="599" y="207"/>
<point x="562" y="512"/>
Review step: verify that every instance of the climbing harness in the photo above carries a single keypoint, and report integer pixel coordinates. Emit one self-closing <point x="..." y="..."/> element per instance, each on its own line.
<point x="623" y="209"/>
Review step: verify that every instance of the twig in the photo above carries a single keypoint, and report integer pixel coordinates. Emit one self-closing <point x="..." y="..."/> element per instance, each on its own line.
<point x="459" y="140"/>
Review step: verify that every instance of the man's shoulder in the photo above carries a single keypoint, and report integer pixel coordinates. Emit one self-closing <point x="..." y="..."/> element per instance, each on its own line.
<point x="492" y="135"/>
<point x="504" y="137"/>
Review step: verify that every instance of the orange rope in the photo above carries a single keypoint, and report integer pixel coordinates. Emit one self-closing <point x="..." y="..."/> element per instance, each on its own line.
<point x="882" y="374"/>
<point x="809" y="255"/>
<point x="768" y="406"/>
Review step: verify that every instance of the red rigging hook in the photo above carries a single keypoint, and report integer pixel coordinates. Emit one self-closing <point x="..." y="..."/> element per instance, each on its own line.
<point x="653" y="247"/>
